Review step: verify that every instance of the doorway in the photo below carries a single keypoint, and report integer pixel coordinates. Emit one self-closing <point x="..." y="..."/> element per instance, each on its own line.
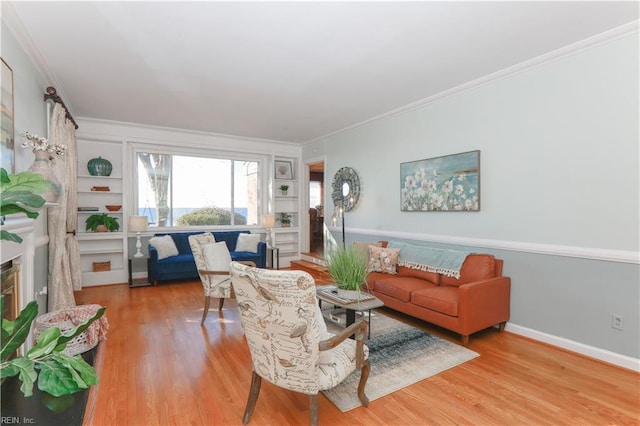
<point x="316" y="209"/>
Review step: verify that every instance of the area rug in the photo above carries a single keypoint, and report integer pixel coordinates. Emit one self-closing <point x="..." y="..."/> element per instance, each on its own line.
<point x="400" y="356"/>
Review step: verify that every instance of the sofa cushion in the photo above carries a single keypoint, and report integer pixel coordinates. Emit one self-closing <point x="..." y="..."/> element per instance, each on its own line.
<point x="432" y="277"/>
<point x="229" y="237"/>
<point x="383" y="259"/>
<point x="401" y="287"/>
<point x="165" y="246"/>
<point x="476" y="267"/>
<point x="248" y="242"/>
<point x="362" y="247"/>
<point x="443" y="299"/>
<point x="372" y="277"/>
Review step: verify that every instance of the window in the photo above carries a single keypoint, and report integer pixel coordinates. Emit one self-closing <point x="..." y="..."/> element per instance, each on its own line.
<point x="183" y="191"/>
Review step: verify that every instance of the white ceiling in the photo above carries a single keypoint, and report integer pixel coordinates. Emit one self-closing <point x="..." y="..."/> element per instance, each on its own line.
<point x="289" y="71"/>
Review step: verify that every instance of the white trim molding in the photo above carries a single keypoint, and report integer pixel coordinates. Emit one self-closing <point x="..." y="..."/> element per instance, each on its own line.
<point x="570" y="345"/>
<point x="621" y="256"/>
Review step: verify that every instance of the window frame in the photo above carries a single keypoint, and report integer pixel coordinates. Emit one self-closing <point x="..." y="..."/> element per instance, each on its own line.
<point x="151" y="148"/>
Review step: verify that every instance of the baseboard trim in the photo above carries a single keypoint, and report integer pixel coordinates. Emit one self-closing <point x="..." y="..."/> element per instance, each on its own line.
<point x="570" y="345"/>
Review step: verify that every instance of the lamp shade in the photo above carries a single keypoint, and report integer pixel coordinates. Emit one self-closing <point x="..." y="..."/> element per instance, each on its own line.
<point x="137" y="223"/>
<point x="269" y="221"/>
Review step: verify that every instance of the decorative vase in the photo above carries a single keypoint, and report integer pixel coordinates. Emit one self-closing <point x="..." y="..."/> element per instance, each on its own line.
<point x="99" y="167"/>
<point x="42" y="166"/>
<point x="284" y="191"/>
<point x="102" y="228"/>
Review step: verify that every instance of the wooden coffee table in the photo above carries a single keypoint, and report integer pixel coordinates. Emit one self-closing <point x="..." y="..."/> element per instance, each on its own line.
<point x="325" y="295"/>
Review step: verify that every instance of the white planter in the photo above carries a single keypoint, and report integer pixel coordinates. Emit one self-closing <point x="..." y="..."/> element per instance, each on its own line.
<point x="349" y="294"/>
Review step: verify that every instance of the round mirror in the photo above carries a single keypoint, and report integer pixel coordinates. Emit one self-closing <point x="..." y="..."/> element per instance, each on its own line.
<point x="345" y="189"/>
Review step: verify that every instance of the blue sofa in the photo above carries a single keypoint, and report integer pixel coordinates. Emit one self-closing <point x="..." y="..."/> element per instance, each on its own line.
<point x="183" y="266"/>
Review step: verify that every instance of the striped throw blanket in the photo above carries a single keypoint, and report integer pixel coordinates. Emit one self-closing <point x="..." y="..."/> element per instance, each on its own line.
<point x="442" y="261"/>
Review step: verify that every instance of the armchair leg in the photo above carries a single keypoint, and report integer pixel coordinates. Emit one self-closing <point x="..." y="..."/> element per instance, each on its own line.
<point x="256" y="381"/>
<point x="501" y="326"/>
<point x="465" y="340"/>
<point x="313" y="410"/>
<point x="364" y="375"/>
<point x="220" y="303"/>
<point x="207" y="302"/>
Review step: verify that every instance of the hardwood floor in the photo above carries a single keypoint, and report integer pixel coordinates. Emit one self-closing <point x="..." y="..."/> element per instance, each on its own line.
<point x="161" y="367"/>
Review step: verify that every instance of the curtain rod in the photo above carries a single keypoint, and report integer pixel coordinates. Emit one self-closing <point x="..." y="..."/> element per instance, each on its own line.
<point x="52" y="95"/>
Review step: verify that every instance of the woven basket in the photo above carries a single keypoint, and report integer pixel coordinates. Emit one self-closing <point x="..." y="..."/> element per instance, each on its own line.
<point x="101" y="266"/>
<point x="62" y="319"/>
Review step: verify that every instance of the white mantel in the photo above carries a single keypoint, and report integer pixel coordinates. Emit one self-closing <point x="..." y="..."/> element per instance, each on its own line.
<point x="20" y="253"/>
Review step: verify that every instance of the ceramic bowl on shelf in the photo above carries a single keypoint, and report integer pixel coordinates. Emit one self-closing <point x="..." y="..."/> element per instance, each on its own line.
<point x="113" y="208"/>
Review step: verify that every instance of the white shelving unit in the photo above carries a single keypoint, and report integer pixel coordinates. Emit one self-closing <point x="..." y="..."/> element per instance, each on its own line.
<point x="101" y="246"/>
<point x="287" y="239"/>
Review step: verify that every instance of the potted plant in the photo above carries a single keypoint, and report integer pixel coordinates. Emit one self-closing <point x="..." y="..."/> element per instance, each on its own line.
<point x="60" y="374"/>
<point x="20" y="194"/>
<point x="102" y="223"/>
<point x="348" y="269"/>
<point x="284" y="219"/>
<point x="284" y="189"/>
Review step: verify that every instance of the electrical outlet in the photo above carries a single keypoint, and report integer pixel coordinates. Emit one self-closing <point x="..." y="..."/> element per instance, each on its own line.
<point x="617" y="321"/>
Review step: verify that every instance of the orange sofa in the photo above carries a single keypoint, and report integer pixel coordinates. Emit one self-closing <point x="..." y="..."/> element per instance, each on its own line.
<point x="479" y="299"/>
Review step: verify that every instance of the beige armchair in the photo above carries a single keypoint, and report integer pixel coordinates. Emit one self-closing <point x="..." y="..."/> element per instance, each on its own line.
<point x="288" y="339"/>
<point x="215" y="277"/>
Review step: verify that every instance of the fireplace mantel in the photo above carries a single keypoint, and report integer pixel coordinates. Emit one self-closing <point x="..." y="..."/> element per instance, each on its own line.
<point x="22" y="253"/>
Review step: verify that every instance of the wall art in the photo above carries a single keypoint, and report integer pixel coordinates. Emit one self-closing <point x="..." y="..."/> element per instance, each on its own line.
<point x="284" y="169"/>
<point x="447" y="183"/>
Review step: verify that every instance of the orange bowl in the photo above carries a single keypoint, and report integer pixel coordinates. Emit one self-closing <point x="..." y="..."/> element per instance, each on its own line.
<point x="113" y="208"/>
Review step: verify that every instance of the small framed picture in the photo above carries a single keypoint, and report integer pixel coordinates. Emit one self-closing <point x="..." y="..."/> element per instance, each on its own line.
<point x="284" y="169"/>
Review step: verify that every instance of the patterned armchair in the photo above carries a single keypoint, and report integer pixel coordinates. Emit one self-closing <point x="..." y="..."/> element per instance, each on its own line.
<point x="288" y="339"/>
<point x="215" y="278"/>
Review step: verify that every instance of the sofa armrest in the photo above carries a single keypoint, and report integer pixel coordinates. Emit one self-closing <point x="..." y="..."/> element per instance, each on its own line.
<point x="153" y="260"/>
<point x="483" y="304"/>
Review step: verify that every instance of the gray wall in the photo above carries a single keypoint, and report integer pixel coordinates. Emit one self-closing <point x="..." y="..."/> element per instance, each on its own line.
<point x="559" y="186"/>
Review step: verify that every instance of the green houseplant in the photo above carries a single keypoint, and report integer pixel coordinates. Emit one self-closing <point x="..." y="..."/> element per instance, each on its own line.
<point x="284" y="189"/>
<point x="20" y="194"/>
<point x="101" y="223"/>
<point x="56" y="373"/>
<point x="348" y="268"/>
<point x="285" y="219"/>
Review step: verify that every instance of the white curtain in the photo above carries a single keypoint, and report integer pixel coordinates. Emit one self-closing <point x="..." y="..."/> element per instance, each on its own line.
<point x="64" y="253"/>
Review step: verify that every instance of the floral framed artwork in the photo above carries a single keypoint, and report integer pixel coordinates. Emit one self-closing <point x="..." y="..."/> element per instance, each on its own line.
<point x="447" y="183"/>
<point x="284" y="169"/>
<point x="6" y="118"/>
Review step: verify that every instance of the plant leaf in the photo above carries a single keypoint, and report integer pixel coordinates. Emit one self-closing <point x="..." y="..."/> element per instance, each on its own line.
<point x="26" y="368"/>
<point x="87" y="375"/>
<point x="47" y="342"/>
<point x="25" y="181"/>
<point x="70" y="334"/>
<point x="21" y="327"/>
<point x="10" y="236"/>
<point x="56" y="379"/>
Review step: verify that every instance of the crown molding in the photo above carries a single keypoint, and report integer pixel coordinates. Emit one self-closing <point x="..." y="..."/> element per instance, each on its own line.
<point x="14" y="24"/>
<point x="562" y="52"/>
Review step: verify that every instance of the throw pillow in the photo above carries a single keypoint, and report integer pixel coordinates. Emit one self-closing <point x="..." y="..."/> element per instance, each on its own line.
<point x="216" y="256"/>
<point x="165" y="245"/>
<point x="248" y="242"/>
<point x="362" y="247"/>
<point x="383" y="259"/>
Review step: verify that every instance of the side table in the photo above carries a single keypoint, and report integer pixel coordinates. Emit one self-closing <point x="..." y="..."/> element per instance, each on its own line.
<point x="140" y="262"/>
<point x="273" y="258"/>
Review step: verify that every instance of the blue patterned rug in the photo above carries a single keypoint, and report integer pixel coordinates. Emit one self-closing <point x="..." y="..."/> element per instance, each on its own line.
<point x="400" y="356"/>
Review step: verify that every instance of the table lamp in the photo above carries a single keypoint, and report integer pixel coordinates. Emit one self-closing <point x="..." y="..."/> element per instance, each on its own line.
<point x="138" y="224"/>
<point x="269" y="222"/>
